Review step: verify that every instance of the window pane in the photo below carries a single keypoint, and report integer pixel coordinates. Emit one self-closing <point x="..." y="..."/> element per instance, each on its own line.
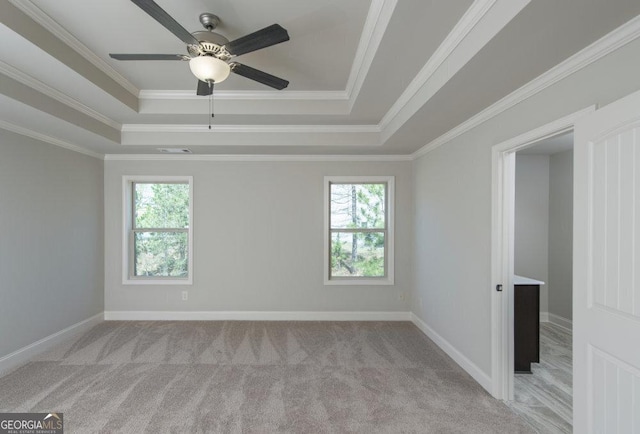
<point x="161" y="205"/>
<point x="161" y="254"/>
<point x="357" y="206"/>
<point x="359" y="254"/>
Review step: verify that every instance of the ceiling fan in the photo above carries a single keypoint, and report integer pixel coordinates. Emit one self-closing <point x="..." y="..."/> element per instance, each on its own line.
<point x="210" y="54"/>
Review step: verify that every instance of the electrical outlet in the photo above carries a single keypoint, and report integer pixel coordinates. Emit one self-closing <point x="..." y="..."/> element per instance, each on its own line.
<point x="185" y="295"/>
<point x="401" y="296"/>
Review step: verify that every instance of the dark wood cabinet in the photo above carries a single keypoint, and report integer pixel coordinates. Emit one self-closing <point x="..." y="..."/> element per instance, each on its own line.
<point x="526" y="327"/>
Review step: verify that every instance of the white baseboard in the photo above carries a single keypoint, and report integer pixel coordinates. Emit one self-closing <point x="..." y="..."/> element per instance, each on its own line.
<point x="18" y="357"/>
<point x="564" y="323"/>
<point x="472" y="369"/>
<point x="131" y="315"/>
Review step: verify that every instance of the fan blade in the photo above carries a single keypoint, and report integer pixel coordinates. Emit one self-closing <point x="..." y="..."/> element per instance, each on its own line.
<point x="204" y="88"/>
<point x="149" y="56"/>
<point x="272" y="35"/>
<point x="161" y="16"/>
<point x="259" y="76"/>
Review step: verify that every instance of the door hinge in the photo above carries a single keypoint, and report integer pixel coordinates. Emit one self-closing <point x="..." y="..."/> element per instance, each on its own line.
<point x="499" y="287"/>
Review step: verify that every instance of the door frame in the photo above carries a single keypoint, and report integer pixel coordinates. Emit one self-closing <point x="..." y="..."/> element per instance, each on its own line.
<point x="503" y="165"/>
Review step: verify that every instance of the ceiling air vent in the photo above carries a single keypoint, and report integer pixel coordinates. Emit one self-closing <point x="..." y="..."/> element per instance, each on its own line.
<point x="175" y="150"/>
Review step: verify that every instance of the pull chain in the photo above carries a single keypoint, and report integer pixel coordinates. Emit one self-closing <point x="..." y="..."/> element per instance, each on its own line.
<point x="210" y="102"/>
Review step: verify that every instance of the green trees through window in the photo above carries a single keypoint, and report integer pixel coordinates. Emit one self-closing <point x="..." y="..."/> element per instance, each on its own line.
<point x="357" y="229"/>
<point x="160" y="233"/>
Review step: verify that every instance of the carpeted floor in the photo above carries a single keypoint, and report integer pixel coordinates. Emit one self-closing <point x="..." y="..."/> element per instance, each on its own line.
<point x="255" y="377"/>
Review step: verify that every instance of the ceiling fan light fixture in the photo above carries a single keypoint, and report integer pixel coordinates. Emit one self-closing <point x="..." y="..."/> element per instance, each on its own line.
<point x="209" y="68"/>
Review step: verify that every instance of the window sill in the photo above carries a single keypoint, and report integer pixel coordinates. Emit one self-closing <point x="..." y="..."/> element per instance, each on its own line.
<point x="359" y="282"/>
<point x="176" y="282"/>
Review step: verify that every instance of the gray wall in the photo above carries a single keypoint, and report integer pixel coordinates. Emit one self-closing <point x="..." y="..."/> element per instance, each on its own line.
<point x="258" y="239"/>
<point x="531" y="255"/>
<point x="51" y="254"/>
<point x="561" y="234"/>
<point x="452" y="199"/>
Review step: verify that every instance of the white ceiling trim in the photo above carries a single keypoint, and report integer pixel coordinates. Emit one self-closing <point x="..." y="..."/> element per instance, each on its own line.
<point x="38" y="15"/>
<point x="265" y="105"/>
<point x="605" y="45"/>
<point x="375" y="26"/>
<point x="462" y="28"/>
<point x="201" y="128"/>
<point x="265" y="95"/>
<point x="460" y="45"/>
<point x="48" y="139"/>
<point x="258" y="157"/>
<point x="206" y="137"/>
<point x="63" y="98"/>
<point x="242" y="102"/>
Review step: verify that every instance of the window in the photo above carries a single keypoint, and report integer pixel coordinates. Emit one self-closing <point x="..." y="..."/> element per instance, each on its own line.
<point x="359" y="230"/>
<point x="158" y="230"/>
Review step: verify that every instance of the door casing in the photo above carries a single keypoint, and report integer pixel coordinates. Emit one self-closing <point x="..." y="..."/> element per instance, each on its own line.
<point x="502" y="246"/>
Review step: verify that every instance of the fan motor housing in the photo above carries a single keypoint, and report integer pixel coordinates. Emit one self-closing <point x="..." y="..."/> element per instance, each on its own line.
<point x="210" y="43"/>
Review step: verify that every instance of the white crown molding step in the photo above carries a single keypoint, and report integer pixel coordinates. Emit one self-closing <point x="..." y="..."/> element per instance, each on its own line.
<point x="609" y="43"/>
<point x="465" y="40"/>
<point x="378" y="18"/>
<point x="594" y="52"/>
<point x="374" y="29"/>
<point x="249" y="95"/>
<point x="471" y="17"/>
<point x="257" y="157"/>
<point x="306" y="129"/>
<point x="253" y="103"/>
<point x="63" y="98"/>
<point x="204" y="137"/>
<point x="23" y="355"/>
<point x="38" y="15"/>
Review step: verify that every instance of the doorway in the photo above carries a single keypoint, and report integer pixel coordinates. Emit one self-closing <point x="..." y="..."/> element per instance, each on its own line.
<point x="543" y="242"/>
<point x="503" y="246"/>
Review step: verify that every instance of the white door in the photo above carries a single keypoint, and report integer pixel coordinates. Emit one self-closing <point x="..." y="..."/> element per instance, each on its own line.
<point x="606" y="276"/>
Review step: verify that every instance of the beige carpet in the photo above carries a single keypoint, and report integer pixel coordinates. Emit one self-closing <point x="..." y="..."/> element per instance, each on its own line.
<point x="255" y="377"/>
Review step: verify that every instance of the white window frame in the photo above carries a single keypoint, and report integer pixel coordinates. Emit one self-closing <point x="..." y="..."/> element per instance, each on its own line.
<point x="127" y="225"/>
<point x="388" y="278"/>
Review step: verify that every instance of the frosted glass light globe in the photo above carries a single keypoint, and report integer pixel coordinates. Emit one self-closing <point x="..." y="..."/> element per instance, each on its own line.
<point x="208" y="68"/>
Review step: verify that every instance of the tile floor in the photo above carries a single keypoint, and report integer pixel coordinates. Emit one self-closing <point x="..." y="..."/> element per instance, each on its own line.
<point x="544" y="398"/>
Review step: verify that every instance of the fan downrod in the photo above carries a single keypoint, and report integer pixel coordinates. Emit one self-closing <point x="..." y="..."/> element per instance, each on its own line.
<point x="209" y="21"/>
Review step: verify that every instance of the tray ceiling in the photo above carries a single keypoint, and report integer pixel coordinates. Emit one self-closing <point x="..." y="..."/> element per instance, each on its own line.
<point x="366" y="76"/>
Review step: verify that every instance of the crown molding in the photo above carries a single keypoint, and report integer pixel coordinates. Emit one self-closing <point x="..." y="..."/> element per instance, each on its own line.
<point x="63" y="98"/>
<point x="374" y="28"/>
<point x="376" y="22"/>
<point x="48" y="139"/>
<point x="199" y="128"/>
<point x="603" y="46"/>
<point x="267" y="95"/>
<point x="38" y="15"/>
<point x="378" y="18"/>
<point x="258" y="157"/>
<point x="471" y="17"/>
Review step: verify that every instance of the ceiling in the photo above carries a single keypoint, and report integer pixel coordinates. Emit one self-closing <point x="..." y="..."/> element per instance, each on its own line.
<point x="367" y="77"/>
<point x="551" y="145"/>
